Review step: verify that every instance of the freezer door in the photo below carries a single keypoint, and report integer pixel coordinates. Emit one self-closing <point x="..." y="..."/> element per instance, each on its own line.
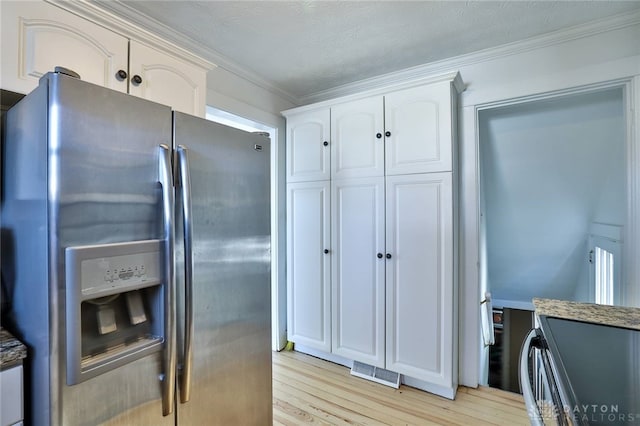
<point x="103" y="188"/>
<point x="231" y="351"/>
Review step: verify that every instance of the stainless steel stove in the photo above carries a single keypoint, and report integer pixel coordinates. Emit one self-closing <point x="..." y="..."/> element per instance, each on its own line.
<point x="581" y="373"/>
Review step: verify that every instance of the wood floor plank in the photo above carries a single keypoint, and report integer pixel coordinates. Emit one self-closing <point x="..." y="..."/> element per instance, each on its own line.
<point x="310" y="390"/>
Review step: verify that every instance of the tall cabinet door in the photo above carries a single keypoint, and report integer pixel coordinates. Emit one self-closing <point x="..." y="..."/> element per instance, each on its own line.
<point x="308" y="150"/>
<point x="309" y="264"/>
<point x="357" y="271"/>
<point x="418" y="130"/>
<point x="419" y="303"/>
<point x="166" y="80"/>
<point x="38" y="36"/>
<point x="357" y="148"/>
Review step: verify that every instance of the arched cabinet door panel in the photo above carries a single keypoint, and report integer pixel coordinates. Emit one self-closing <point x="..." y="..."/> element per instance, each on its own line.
<point x="161" y="78"/>
<point x="38" y="36"/>
<point x="308" y="146"/>
<point x="418" y="130"/>
<point x="357" y="148"/>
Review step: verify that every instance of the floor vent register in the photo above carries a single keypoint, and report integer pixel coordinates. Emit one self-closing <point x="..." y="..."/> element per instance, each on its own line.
<point x="375" y="374"/>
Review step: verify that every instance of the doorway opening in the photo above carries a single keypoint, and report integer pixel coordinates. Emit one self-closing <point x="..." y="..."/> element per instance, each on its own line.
<point x="553" y="171"/>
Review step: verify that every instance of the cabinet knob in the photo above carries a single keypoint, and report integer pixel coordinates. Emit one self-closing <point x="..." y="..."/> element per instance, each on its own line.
<point x="121" y="75"/>
<point x="326" y="251"/>
<point x="379" y="255"/>
<point x="378" y="135"/>
<point x="136" y="79"/>
<point x="387" y="133"/>
<point x="325" y="143"/>
<point x="388" y="255"/>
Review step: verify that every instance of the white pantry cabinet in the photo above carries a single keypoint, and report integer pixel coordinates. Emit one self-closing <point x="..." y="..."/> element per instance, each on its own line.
<point x="308" y="264"/>
<point x="393" y="231"/>
<point x="38" y="36"/>
<point x="308" y="150"/>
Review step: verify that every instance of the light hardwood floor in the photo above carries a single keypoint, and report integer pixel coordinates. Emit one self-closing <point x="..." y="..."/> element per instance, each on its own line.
<point x="310" y="390"/>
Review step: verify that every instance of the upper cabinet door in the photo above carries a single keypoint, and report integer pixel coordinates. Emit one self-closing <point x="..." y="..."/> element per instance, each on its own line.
<point x="418" y="130"/>
<point x="308" y="146"/>
<point x="357" y="136"/>
<point x="161" y="78"/>
<point x="38" y="36"/>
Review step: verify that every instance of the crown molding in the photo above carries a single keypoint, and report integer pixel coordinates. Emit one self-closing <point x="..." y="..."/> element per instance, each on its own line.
<point x="452" y="77"/>
<point x="455" y="63"/>
<point x="114" y="14"/>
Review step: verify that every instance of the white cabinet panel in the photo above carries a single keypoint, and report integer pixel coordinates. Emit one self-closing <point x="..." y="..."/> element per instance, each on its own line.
<point x="11" y="394"/>
<point x="167" y="80"/>
<point x="357" y="272"/>
<point x="419" y="282"/>
<point x="38" y="36"/>
<point x="308" y="150"/>
<point x="356" y="149"/>
<point x="308" y="266"/>
<point x="418" y="130"/>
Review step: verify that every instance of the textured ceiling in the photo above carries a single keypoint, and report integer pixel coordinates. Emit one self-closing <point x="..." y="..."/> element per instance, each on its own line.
<point x="305" y="47"/>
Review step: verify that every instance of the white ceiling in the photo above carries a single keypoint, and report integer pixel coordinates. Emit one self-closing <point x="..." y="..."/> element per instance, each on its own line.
<point x="305" y="47"/>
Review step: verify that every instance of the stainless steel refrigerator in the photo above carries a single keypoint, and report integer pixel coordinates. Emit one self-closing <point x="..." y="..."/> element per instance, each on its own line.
<point x="136" y="257"/>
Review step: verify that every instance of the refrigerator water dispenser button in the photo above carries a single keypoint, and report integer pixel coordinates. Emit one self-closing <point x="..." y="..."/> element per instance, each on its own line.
<point x="106" y="320"/>
<point x="135" y="308"/>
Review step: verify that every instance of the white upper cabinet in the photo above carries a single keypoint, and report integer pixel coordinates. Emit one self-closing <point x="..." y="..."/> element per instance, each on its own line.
<point x="418" y="130"/>
<point x="38" y="36"/>
<point x="166" y="80"/>
<point x="357" y="148"/>
<point x="403" y="132"/>
<point x="308" y="146"/>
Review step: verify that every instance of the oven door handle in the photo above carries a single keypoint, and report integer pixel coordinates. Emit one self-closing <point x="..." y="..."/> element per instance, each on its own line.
<point x="525" y="383"/>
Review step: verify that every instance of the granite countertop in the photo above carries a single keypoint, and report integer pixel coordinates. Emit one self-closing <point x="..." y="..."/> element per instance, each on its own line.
<point x="12" y="351"/>
<point x="618" y="316"/>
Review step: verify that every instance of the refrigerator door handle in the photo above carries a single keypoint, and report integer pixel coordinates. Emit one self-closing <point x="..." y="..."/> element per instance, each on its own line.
<point x="165" y="178"/>
<point x="185" y="182"/>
